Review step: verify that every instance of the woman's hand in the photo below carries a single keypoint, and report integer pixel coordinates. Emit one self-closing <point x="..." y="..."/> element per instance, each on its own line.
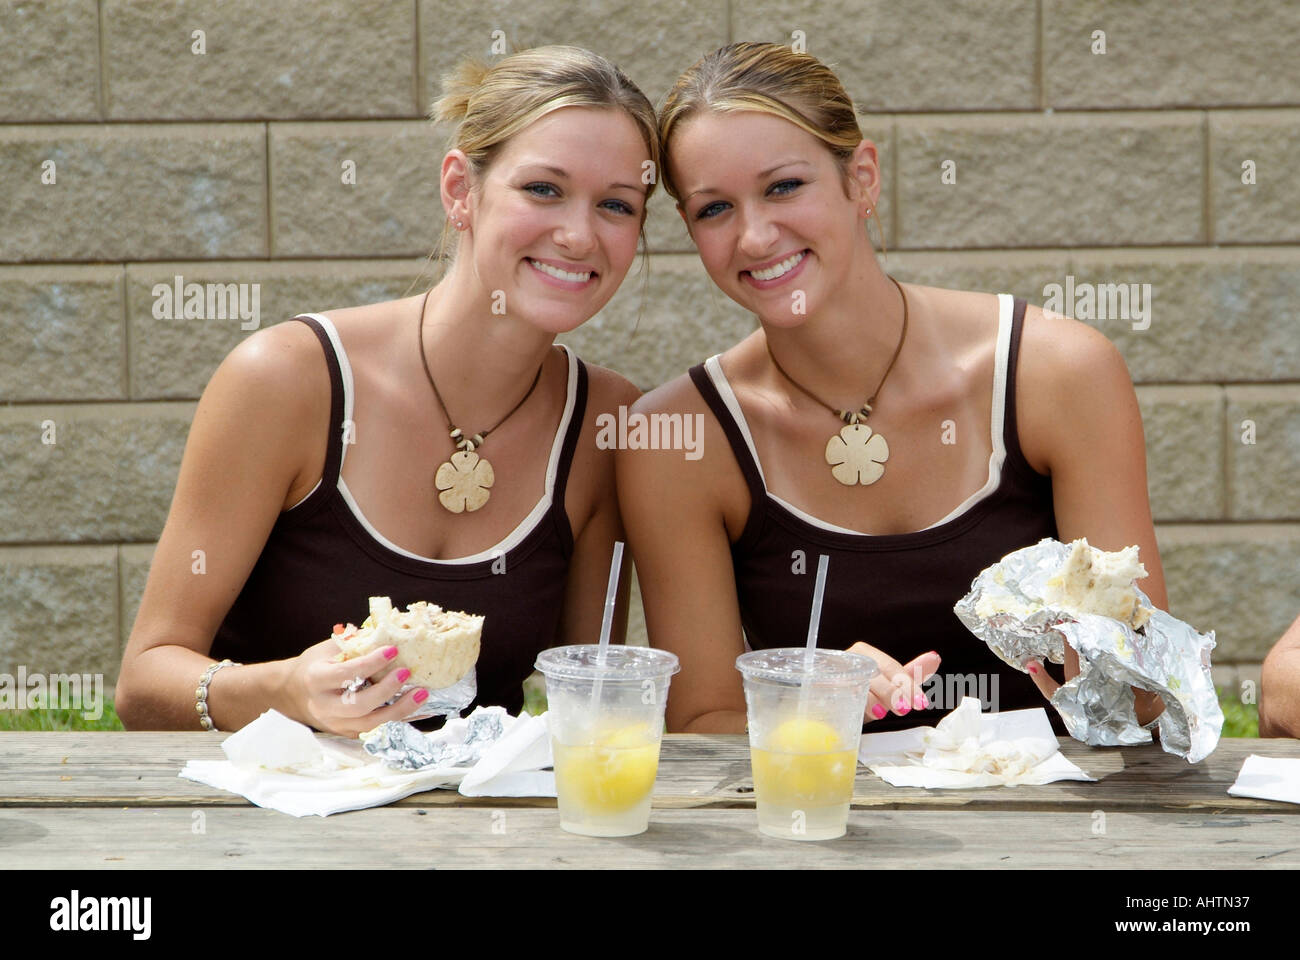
<point x="897" y="687"/>
<point x="1147" y="705"/>
<point x="318" y="687"/>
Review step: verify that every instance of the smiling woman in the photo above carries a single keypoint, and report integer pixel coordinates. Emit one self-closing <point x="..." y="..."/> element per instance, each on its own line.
<point x="328" y="462"/>
<point x="775" y="183"/>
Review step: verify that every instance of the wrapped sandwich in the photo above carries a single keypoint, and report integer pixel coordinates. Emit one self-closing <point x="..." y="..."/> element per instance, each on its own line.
<point x="1034" y="601"/>
<point x="439" y="647"/>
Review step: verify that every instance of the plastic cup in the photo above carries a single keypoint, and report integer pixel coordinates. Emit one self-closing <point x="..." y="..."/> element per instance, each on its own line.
<point x="605" y="736"/>
<point x="803" y="738"/>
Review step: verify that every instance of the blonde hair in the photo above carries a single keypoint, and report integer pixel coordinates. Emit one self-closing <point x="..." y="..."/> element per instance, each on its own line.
<point x="767" y="78"/>
<point x="491" y="102"/>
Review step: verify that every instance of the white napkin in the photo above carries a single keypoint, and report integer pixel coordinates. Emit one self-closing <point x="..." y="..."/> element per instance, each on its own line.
<point x="1268" y="778"/>
<point x="279" y="763"/>
<point x="970" y="749"/>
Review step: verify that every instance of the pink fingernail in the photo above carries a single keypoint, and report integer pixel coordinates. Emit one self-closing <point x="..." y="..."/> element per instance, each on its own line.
<point x="402" y="675"/>
<point x="421" y="696"/>
<point x="1033" y="668"/>
<point x="920" y="702"/>
<point x="390" y="653"/>
<point x="878" y="712"/>
<point x="902" y="707"/>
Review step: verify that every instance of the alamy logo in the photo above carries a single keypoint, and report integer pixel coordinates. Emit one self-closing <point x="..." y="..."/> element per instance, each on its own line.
<point x="208" y="301"/>
<point x="656" y="431"/>
<point x="64" y="691"/>
<point x="102" y="913"/>
<point x="1100" y="301"/>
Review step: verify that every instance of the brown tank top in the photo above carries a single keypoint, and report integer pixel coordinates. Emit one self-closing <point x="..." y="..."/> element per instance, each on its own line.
<point x="895" y="591"/>
<point x="323" y="560"/>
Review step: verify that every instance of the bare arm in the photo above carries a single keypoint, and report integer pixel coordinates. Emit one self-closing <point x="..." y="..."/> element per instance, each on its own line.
<point x="1089" y="433"/>
<point x="245" y="456"/>
<point x="678" y="534"/>
<point x="1279" y="688"/>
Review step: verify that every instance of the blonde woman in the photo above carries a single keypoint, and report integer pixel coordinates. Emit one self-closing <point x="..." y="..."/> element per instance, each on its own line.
<point x="345" y="454"/>
<point x="914" y="435"/>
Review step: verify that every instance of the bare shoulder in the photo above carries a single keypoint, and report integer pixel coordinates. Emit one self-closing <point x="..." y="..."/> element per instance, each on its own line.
<point x="284" y="363"/>
<point x="1069" y="380"/>
<point x="678" y="395"/>
<point x="270" y="400"/>
<point x="607" y="390"/>
<point x="1058" y="349"/>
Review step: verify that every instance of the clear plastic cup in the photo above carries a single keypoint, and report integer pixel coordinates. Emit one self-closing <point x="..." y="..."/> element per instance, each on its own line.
<point x="606" y="720"/>
<point x="803" y="738"/>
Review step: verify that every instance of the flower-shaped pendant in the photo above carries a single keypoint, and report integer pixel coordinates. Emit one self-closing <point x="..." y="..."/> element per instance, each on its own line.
<point x="464" y="481"/>
<point x="857" y="455"/>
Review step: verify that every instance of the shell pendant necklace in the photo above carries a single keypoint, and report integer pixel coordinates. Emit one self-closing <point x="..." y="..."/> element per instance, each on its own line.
<point x="464" y="480"/>
<point x="856" y="454"/>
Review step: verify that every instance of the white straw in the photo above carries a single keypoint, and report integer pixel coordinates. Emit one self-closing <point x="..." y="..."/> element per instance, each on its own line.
<point x="607" y="621"/>
<point x="819" y="590"/>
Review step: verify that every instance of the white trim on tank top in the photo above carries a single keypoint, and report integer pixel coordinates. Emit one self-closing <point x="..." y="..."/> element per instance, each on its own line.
<point x="515" y="536"/>
<point x="997" y="457"/>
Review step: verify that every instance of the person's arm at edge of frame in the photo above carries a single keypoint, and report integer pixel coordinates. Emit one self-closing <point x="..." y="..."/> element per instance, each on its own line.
<point x="1279" y="687"/>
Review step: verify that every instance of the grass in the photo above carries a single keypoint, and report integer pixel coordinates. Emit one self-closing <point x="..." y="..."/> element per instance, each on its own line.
<point x="38" y="717"/>
<point x="1239" y="719"/>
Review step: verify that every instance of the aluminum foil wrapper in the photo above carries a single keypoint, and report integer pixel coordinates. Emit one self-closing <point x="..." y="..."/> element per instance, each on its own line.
<point x="446" y="702"/>
<point x="1005" y="609"/>
<point x="403" y="747"/>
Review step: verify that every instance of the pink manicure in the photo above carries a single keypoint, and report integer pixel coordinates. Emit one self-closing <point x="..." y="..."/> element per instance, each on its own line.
<point x="1033" y="668"/>
<point x="920" y="702"/>
<point x="878" y="712"/>
<point x="902" y="707"/>
<point x="390" y="653"/>
<point x="421" y="696"/>
<point x="402" y="675"/>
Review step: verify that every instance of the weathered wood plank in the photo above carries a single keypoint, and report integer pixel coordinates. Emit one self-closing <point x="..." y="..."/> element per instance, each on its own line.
<point x="110" y="769"/>
<point x="250" y="837"/>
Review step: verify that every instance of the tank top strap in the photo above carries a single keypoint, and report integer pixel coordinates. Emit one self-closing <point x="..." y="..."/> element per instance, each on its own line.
<point x="736" y="436"/>
<point x="573" y="430"/>
<point x="1010" y="431"/>
<point x="340" y="395"/>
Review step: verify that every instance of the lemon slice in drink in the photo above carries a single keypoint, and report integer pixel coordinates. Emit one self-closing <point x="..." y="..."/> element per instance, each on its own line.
<point x="614" y="774"/>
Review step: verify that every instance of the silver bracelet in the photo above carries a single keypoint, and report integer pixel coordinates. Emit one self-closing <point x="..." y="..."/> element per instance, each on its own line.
<point x="201" y="694"/>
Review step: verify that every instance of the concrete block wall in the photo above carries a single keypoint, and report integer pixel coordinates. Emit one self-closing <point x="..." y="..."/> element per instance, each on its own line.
<point x="204" y="138"/>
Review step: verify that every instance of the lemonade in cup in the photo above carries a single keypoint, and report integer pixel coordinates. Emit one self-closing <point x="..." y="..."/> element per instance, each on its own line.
<point x="606" y="717"/>
<point x="805" y="721"/>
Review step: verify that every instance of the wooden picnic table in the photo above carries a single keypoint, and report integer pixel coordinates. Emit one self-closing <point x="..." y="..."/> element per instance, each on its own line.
<point x="111" y="800"/>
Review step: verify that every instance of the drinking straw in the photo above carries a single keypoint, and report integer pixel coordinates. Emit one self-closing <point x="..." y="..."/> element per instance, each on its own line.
<point x="607" y="621"/>
<point x="819" y="589"/>
<point x="810" y="651"/>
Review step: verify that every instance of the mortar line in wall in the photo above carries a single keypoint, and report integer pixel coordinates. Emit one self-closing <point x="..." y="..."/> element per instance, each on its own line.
<point x="957" y="115"/>
<point x="270" y="219"/>
<point x="1089" y="250"/>
<point x="1207" y="197"/>
<point x="126" y="338"/>
<point x="1227" y="459"/>
<point x="119" y="602"/>
<point x="101" y="93"/>
<point x="1039" y="68"/>
<point x="895" y="211"/>
<point x="419" y="64"/>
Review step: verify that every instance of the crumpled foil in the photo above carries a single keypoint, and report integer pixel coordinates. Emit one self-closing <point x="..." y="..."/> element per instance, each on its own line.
<point x="446" y="702"/>
<point x="1005" y="609"/>
<point x="403" y="747"/>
